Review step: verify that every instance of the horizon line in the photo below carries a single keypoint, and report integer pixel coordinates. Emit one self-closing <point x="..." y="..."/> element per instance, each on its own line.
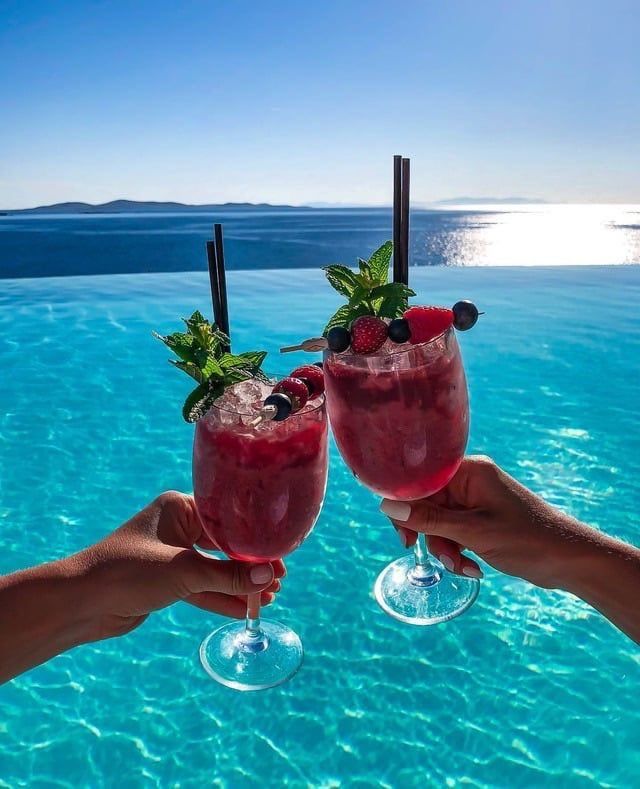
<point x="463" y="201"/>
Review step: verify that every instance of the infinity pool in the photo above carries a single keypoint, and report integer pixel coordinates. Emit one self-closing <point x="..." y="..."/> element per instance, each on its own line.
<point x="529" y="688"/>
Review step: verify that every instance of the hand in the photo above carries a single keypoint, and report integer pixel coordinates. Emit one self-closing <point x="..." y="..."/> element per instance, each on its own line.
<point x="150" y="563"/>
<point x="487" y="511"/>
<point x="111" y="587"/>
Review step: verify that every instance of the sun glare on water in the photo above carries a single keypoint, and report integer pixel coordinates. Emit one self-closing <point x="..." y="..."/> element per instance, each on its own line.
<point x="551" y="235"/>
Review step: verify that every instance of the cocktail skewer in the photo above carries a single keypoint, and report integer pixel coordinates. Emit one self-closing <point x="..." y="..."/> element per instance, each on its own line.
<point x="310" y="345"/>
<point x="267" y="413"/>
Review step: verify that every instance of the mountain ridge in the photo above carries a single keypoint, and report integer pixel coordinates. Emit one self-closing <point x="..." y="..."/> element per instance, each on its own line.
<point x="146" y="206"/>
<point x="122" y="206"/>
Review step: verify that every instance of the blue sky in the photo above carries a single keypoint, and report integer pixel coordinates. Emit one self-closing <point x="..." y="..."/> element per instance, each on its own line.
<point x="298" y="102"/>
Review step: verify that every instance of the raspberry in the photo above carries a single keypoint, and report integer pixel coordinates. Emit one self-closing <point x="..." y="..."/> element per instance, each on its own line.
<point x="368" y="333"/>
<point x="427" y="323"/>
<point x="312" y="376"/>
<point x="295" y="389"/>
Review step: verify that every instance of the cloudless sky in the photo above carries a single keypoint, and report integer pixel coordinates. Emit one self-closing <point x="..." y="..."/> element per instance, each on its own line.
<point x="293" y="101"/>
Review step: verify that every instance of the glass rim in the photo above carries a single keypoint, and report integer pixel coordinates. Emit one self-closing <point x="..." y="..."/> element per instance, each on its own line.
<point x="346" y="356"/>
<point x="302" y="412"/>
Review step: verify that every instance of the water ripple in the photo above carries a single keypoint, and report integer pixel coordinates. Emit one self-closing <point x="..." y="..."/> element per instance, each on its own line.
<point x="530" y="688"/>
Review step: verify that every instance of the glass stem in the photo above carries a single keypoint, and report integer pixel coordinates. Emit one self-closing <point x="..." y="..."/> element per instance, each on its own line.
<point x="254" y="639"/>
<point x="420" y="551"/>
<point x="253" y="613"/>
<point x="424" y="572"/>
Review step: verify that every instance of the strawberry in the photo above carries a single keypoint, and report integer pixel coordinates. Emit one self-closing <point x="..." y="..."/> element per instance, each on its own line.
<point x="312" y="376"/>
<point x="427" y="323"/>
<point x="368" y="333"/>
<point x="295" y="389"/>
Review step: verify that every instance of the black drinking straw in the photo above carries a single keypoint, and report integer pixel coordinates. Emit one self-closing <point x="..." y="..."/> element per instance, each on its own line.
<point x="404" y="222"/>
<point x="222" y="279"/>
<point x="401" y="181"/>
<point x="397" y="210"/>
<point x="218" y="280"/>
<point x="213" y="280"/>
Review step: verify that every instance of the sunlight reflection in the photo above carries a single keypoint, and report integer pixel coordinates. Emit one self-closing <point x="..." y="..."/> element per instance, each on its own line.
<point x="552" y="235"/>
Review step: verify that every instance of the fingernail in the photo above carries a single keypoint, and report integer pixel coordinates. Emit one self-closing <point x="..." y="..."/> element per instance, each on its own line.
<point x="261" y="573"/>
<point x="472" y="572"/>
<point x="396" y="510"/>
<point x="447" y="561"/>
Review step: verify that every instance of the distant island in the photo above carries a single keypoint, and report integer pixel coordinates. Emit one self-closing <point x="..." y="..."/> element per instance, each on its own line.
<point x="138" y="206"/>
<point x="151" y="206"/>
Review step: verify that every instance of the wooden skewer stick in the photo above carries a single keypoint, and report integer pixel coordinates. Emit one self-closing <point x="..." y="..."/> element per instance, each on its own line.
<point x="312" y="344"/>
<point x="266" y="415"/>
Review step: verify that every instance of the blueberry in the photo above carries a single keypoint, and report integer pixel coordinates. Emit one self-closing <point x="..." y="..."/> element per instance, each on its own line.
<point x="399" y="330"/>
<point x="465" y="315"/>
<point x="338" y="339"/>
<point x="319" y="364"/>
<point x="282" y="404"/>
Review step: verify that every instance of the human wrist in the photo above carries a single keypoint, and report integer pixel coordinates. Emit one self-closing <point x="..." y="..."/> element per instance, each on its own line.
<point x="67" y="617"/>
<point x="41" y="615"/>
<point x="569" y="551"/>
<point x="595" y="559"/>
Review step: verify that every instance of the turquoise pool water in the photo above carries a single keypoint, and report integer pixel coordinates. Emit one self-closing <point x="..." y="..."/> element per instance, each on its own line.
<point x="529" y="688"/>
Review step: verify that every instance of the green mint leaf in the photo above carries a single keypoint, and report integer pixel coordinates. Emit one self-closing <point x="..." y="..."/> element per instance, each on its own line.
<point x="262" y="377"/>
<point x="390" y="308"/>
<point x="237" y="374"/>
<point x="365" y="270"/>
<point x="183" y="345"/>
<point x="212" y="369"/>
<point x="369" y="292"/>
<point x="249" y="361"/>
<point x="228" y="361"/>
<point x="341" y="279"/>
<point x="243" y="366"/>
<point x="339" y="318"/>
<point x="379" y="263"/>
<point x="396" y="289"/>
<point x="200" y="328"/>
<point x="345" y="316"/>
<point x="190" y="369"/>
<point x="359" y="295"/>
<point x="200" y="401"/>
<point x="390" y="300"/>
<point x="196" y="319"/>
<point x="255" y="358"/>
<point x="201" y="355"/>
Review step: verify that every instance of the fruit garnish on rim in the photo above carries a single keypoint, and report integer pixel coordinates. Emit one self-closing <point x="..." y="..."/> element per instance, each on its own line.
<point x="378" y="310"/>
<point x="291" y="394"/>
<point x="202" y="354"/>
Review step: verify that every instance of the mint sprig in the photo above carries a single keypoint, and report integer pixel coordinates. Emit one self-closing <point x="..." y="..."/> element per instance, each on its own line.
<point x="202" y="354"/>
<point x="369" y="291"/>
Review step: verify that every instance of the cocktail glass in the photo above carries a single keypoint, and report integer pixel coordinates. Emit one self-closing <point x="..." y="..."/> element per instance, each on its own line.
<point x="400" y="418"/>
<point x="258" y="491"/>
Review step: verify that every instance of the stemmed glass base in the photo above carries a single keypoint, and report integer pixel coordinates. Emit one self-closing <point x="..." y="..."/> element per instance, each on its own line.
<point x="425" y="593"/>
<point x="246" y="659"/>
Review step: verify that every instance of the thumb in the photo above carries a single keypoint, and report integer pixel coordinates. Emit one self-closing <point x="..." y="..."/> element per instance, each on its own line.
<point x="197" y="573"/>
<point x="425" y="516"/>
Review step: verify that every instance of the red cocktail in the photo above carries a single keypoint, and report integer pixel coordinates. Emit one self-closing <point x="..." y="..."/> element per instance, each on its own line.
<point x="258" y="490"/>
<point x="400" y="418"/>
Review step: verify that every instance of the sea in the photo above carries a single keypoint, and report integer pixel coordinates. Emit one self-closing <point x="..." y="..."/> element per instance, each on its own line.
<point x="40" y="245"/>
<point x="529" y="688"/>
